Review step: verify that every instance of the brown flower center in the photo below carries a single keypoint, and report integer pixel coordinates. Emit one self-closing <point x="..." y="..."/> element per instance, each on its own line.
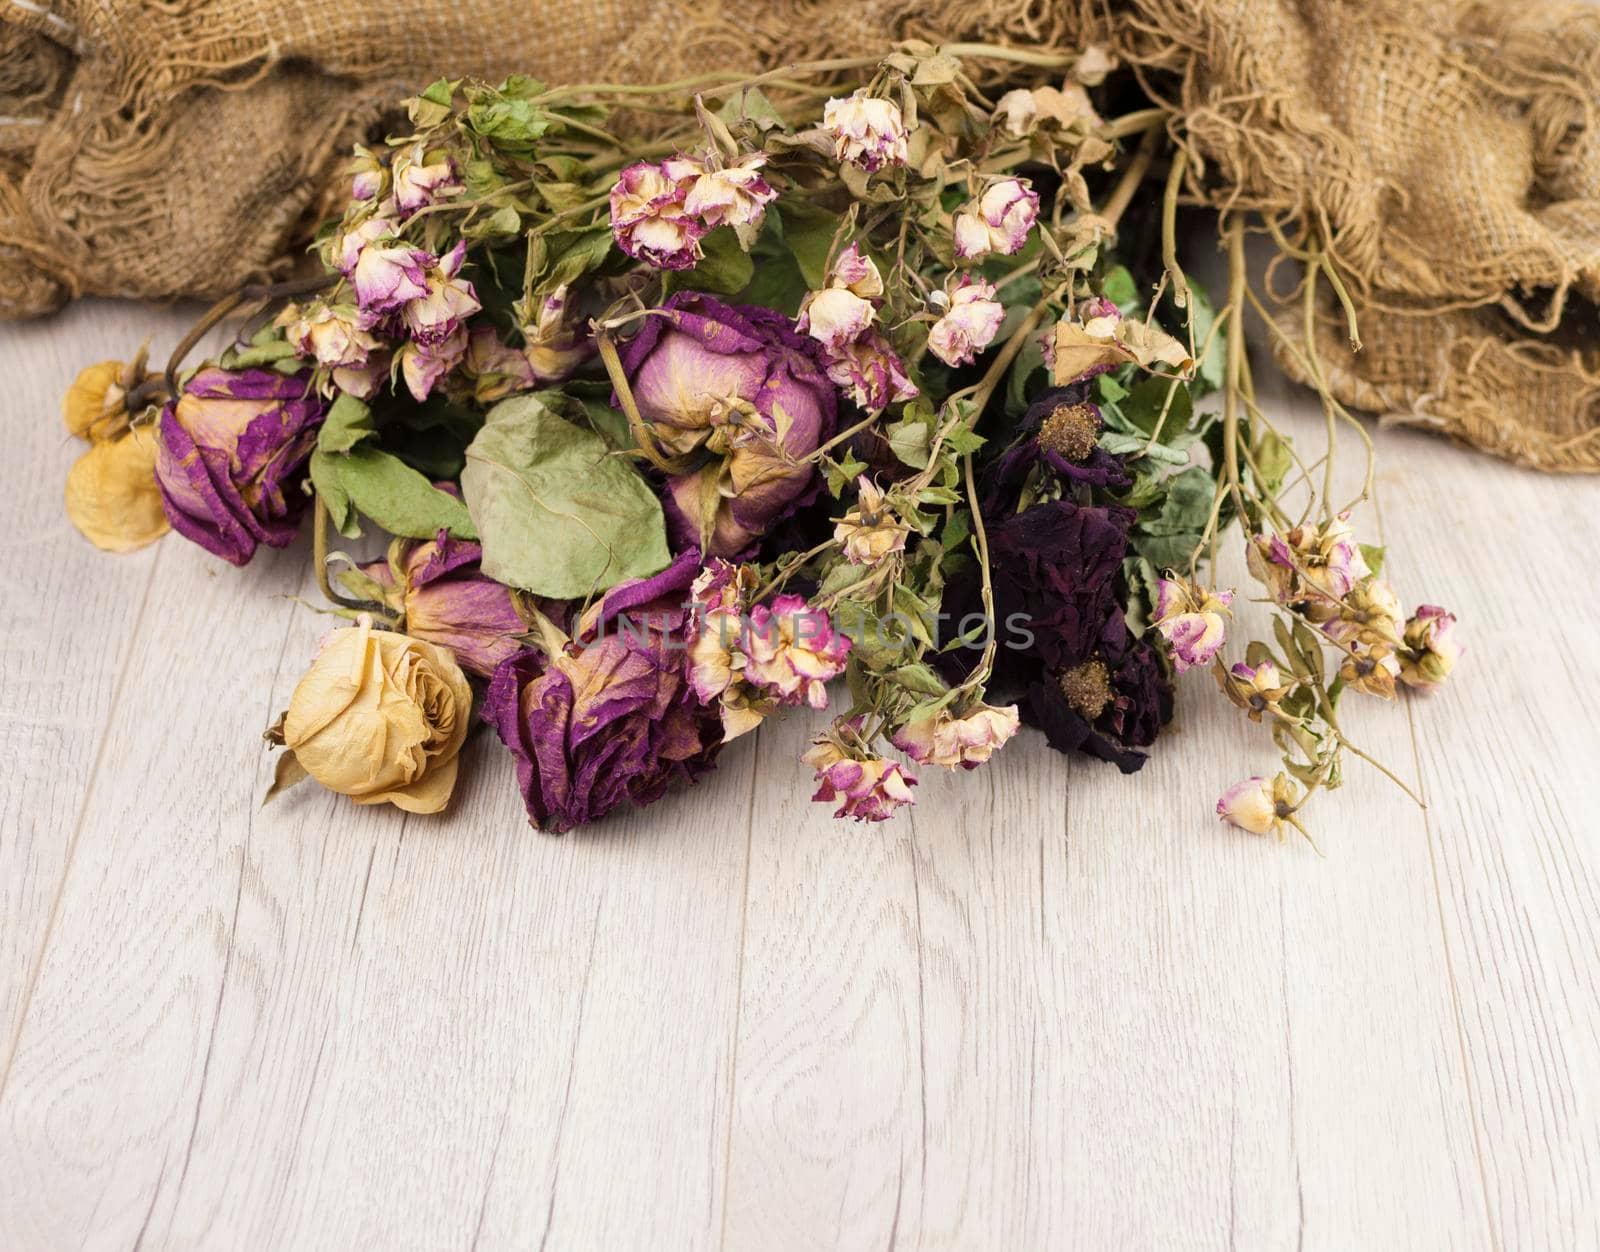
<point x="1070" y="431"/>
<point x="1087" y="687"/>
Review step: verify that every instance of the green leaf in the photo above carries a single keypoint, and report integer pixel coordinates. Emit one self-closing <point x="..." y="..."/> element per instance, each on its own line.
<point x="1273" y="458"/>
<point x="510" y="122"/>
<point x="1187" y="507"/>
<point x="348" y="423"/>
<point x="384" y="488"/>
<point x="1119" y="288"/>
<point x="921" y="679"/>
<point x="557" y="513"/>
<point x="1374" y="554"/>
<point x="1144" y="404"/>
<point x="750" y="104"/>
<point x="570" y="254"/>
<point x="725" y="268"/>
<point x="909" y="438"/>
<point x="808" y="229"/>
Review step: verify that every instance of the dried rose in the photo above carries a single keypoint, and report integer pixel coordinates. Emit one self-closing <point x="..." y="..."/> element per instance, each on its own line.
<point x="1259" y="806"/>
<point x="233" y="448"/>
<point x="738" y="383"/>
<point x="867" y="132"/>
<point x="610" y="717"/>
<point x="971" y="320"/>
<point x="1108" y="705"/>
<point x="1311" y="568"/>
<point x="965" y="742"/>
<point x="716" y="647"/>
<point x="439" y="313"/>
<point x="867" y="787"/>
<point x="555" y="341"/>
<point x="93" y="407"/>
<point x="384" y="270"/>
<point x="1060" y="442"/>
<point x="381" y="718"/>
<point x="112" y="496"/>
<point x="339" y="337"/>
<point x="1431" y="648"/>
<point x="792" y="651"/>
<point x="1372" y="670"/>
<point x="649" y="219"/>
<point x="1254" y="688"/>
<point x="735" y="195"/>
<point x="422" y="178"/>
<point x="842" y="311"/>
<point x="1371" y="613"/>
<point x="1189" y="618"/>
<point x="446" y="600"/>
<point x="368" y="175"/>
<point x="870" y="374"/>
<point x="424" y="362"/>
<point x="870" y="531"/>
<point x="998" y="221"/>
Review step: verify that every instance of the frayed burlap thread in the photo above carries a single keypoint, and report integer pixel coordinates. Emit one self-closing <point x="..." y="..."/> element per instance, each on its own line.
<point x="1443" y="154"/>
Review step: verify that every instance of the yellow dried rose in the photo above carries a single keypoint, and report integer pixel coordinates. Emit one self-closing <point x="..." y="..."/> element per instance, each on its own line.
<point x="381" y="717"/>
<point x="93" y="406"/>
<point x="112" y="495"/>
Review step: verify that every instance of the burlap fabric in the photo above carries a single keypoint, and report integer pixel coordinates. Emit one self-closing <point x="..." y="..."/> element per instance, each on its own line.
<point x="1446" y="152"/>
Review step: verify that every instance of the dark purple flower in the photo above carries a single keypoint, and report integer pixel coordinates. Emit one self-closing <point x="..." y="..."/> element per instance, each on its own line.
<point x="1059" y="433"/>
<point x="233" y="449"/>
<point x="1109" y="704"/>
<point x="610" y="718"/>
<point x="739" y="387"/>
<point x="448" y="601"/>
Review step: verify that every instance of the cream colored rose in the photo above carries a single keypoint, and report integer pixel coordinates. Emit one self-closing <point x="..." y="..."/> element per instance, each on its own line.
<point x="381" y="717"/>
<point x="112" y="496"/>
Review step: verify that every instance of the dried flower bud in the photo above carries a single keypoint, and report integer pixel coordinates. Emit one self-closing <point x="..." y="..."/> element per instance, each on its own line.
<point x="446" y="303"/>
<point x="964" y="742"/>
<point x="1369" y="614"/>
<point x="422" y="178"/>
<point x="998" y="221"/>
<point x="735" y="195"/>
<point x="835" y="317"/>
<point x="793" y="650"/>
<point x="1254" y="688"/>
<point x="970" y="323"/>
<point x="112" y="495"/>
<point x="424" y="362"/>
<point x="1189" y="618"/>
<point x="368" y="175"/>
<point x="870" y="373"/>
<point x="867" y="787"/>
<point x="384" y="270"/>
<point x="867" y="132"/>
<point x="1371" y="669"/>
<point x="1259" y="806"/>
<point x="93" y="407"/>
<point x="870" y="532"/>
<point x="1431" y="648"/>
<point x="338" y="336"/>
<point x="381" y="718"/>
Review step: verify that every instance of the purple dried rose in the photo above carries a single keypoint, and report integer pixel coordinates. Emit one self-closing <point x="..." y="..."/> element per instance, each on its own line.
<point x="649" y="219"/>
<point x="1107" y="705"/>
<point x="1060" y="433"/>
<point x="448" y="601"/>
<point x="233" y="450"/>
<point x="611" y="717"/>
<point x="737" y="384"/>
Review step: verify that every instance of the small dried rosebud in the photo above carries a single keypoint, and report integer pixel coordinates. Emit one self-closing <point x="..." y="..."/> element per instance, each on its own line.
<point x="367" y="176"/>
<point x="1431" y="648"/>
<point x="649" y="219"/>
<point x="716" y="647"/>
<point x="1371" y="669"/>
<point x="735" y="195"/>
<point x="338" y="336"/>
<point x="869" y="532"/>
<point x="112" y="496"/>
<point x="422" y="178"/>
<point x="793" y="650"/>
<point x="556" y="341"/>
<point x="1369" y="614"/>
<point x="381" y="717"/>
<point x="867" y="787"/>
<point x="384" y="270"/>
<point x="1259" y="806"/>
<point x="998" y="221"/>
<point x="867" y="132"/>
<point x="870" y="373"/>
<point x="424" y="362"/>
<point x="842" y="311"/>
<point x="965" y="742"/>
<point x="969" y="324"/>
<point x="447" y="301"/>
<point x="1254" y="688"/>
<point x="1189" y="618"/>
<point x="1072" y="431"/>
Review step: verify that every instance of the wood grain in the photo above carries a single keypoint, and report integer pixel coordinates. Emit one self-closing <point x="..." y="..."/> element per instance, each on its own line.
<point x="1053" y="1008"/>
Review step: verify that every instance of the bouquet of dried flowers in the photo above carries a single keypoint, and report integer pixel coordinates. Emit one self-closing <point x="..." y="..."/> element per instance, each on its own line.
<point x="678" y="403"/>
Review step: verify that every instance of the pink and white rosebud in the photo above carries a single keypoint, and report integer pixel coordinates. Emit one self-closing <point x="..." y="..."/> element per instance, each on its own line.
<point x="868" y="788"/>
<point x="424" y="362"/>
<point x="422" y="178"/>
<point x="447" y="302"/>
<point x="1189" y="618"/>
<point x="367" y="176"/>
<point x="842" y="311"/>
<point x="384" y="270"/>
<point x="331" y="335"/>
<point x="792" y="651"/>
<point x="870" y="532"/>
<point x="964" y="742"/>
<point x="870" y="374"/>
<point x="1431" y="648"/>
<point x="969" y="324"/>
<point x="648" y="217"/>
<point x="868" y="132"/>
<point x="1259" y="806"/>
<point x="857" y="273"/>
<point x="735" y="195"/>
<point x="998" y="221"/>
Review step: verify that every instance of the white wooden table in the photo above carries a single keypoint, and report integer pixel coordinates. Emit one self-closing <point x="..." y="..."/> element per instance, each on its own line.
<point x="1050" y="1009"/>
